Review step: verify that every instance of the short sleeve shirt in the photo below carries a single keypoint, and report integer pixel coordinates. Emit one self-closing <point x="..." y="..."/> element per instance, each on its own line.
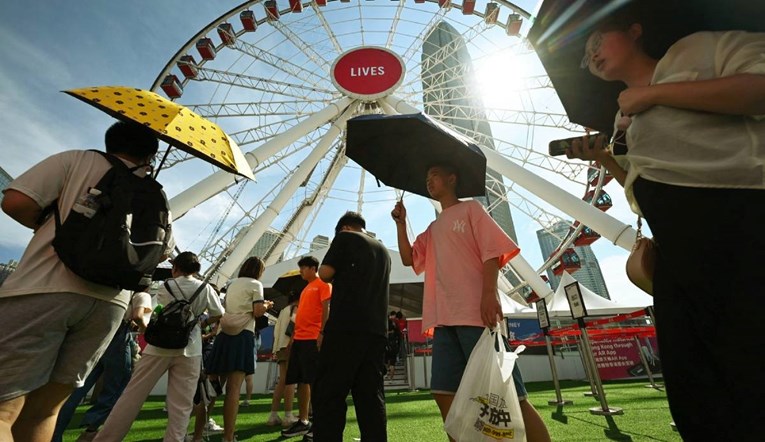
<point x="360" y="285"/>
<point x="451" y="252"/>
<point x="701" y="149"/>
<point x="241" y="294"/>
<point x="185" y="286"/>
<point x="310" y="310"/>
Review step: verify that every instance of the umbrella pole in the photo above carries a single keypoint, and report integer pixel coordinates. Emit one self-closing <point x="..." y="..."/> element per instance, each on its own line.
<point x="164" y="157"/>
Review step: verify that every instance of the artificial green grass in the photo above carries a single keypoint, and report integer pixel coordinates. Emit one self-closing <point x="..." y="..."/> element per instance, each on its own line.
<point x="413" y="416"/>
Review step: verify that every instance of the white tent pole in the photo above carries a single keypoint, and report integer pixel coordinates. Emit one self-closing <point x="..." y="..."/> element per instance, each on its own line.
<point x="203" y="190"/>
<point x="256" y="229"/>
<point x="607" y="226"/>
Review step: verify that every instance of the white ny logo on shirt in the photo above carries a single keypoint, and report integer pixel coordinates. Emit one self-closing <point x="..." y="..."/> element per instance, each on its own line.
<point x="459" y="226"/>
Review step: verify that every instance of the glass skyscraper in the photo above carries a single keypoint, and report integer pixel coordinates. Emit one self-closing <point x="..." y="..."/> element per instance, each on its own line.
<point x="588" y="275"/>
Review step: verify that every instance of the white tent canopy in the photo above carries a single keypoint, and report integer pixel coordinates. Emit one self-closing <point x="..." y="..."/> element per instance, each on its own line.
<point x="557" y="305"/>
<point x="399" y="274"/>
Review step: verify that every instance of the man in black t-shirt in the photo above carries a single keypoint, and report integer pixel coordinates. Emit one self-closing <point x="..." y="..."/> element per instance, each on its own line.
<point x="352" y="357"/>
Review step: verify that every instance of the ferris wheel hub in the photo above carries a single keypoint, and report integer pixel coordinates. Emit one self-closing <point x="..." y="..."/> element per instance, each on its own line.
<point x="368" y="73"/>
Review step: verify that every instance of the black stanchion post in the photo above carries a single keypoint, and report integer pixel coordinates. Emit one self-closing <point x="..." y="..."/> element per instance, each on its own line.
<point x="544" y="324"/>
<point x="578" y="312"/>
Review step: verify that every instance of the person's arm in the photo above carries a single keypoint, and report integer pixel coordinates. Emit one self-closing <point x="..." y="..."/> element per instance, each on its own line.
<point x="324" y="317"/>
<point x="739" y="94"/>
<point x="259" y="308"/>
<point x="21" y="208"/>
<point x="326" y="273"/>
<point x="491" y="310"/>
<point x="404" y="246"/>
<point x="138" y="317"/>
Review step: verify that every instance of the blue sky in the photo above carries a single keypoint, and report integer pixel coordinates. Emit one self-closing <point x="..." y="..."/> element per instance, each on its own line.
<point x="56" y="45"/>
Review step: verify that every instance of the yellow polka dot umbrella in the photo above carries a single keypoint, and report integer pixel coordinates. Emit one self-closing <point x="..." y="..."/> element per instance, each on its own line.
<point x="173" y="123"/>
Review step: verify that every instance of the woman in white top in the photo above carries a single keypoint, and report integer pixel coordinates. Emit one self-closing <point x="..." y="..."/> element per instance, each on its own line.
<point x="695" y="133"/>
<point x="232" y="356"/>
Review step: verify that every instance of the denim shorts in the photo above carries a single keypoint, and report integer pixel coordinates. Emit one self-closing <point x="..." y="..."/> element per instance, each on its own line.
<point x="452" y="346"/>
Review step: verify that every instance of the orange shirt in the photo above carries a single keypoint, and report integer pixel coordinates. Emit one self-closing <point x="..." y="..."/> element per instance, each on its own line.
<point x="309" y="311"/>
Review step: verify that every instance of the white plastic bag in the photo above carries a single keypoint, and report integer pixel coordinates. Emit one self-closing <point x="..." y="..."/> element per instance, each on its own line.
<point x="486" y="406"/>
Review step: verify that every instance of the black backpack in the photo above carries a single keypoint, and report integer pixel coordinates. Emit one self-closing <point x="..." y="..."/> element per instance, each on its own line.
<point x="119" y="233"/>
<point x="171" y="327"/>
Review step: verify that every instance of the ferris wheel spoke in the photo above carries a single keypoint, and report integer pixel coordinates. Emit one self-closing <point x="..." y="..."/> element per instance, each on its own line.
<point x="260" y="109"/>
<point x="279" y="63"/>
<point x="303" y="46"/>
<point x="310" y="205"/>
<point x="394" y="26"/>
<point x="298" y="177"/>
<point x="327" y="28"/>
<point x="416" y="43"/>
<point x="260" y="84"/>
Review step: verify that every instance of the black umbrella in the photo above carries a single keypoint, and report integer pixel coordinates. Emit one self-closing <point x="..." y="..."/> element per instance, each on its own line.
<point x="290" y="282"/>
<point x="399" y="149"/>
<point x="561" y="29"/>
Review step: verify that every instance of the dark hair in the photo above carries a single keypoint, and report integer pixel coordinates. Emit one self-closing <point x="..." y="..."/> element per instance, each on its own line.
<point x="131" y="139"/>
<point x="351" y="219"/>
<point x="308" y="261"/>
<point x="252" y="268"/>
<point x="399" y="315"/>
<point x="392" y="313"/>
<point x="447" y="167"/>
<point x="187" y="263"/>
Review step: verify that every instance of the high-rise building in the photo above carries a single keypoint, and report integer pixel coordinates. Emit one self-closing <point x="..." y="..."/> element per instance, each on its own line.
<point x="5" y="179"/>
<point x="450" y="95"/>
<point x="319" y="242"/>
<point x="588" y="275"/>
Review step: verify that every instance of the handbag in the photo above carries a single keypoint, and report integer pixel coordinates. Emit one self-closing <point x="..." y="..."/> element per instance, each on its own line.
<point x="642" y="261"/>
<point x="233" y="323"/>
<point x="486" y="405"/>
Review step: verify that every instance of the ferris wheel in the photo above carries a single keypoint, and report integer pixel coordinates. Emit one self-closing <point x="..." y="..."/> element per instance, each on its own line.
<point x="269" y="73"/>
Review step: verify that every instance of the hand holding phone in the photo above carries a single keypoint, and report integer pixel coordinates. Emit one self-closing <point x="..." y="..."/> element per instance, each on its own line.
<point x="573" y="147"/>
<point x="558" y="147"/>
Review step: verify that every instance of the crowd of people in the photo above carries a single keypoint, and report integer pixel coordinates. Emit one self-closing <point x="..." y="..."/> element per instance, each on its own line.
<point x="692" y="123"/>
<point x="333" y="339"/>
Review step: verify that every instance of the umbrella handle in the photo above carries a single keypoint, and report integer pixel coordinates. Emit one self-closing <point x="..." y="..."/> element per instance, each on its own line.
<point x="164" y="157"/>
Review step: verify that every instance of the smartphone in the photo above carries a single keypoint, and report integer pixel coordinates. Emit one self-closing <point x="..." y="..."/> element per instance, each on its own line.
<point x="558" y="147"/>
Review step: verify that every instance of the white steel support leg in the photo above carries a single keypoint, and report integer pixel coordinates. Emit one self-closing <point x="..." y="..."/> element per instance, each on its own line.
<point x="256" y="229"/>
<point x="607" y="226"/>
<point x="317" y="200"/>
<point x="525" y="271"/>
<point x="215" y="183"/>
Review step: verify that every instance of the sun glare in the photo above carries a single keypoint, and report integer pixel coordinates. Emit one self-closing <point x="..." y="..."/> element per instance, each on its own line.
<point x="501" y="76"/>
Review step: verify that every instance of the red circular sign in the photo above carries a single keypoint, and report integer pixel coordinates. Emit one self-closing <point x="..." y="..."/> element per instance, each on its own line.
<point x="368" y="73"/>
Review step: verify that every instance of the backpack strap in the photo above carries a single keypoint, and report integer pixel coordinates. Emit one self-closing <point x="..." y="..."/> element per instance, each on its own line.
<point x="167" y="287"/>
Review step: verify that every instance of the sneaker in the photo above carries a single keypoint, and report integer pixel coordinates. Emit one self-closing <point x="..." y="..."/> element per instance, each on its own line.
<point x="213" y="427"/>
<point x="299" y="428"/>
<point x="87" y="436"/>
<point x="273" y="420"/>
<point x="245" y="403"/>
<point x="288" y="420"/>
<point x="308" y="437"/>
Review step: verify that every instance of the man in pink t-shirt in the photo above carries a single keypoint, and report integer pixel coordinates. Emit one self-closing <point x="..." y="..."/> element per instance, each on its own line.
<point x="461" y="253"/>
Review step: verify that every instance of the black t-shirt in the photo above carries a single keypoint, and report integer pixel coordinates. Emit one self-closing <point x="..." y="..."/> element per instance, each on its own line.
<point x="360" y="287"/>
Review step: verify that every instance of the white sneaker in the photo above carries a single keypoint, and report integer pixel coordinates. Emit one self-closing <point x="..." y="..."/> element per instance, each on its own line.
<point x="288" y="420"/>
<point x="213" y="427"/>
<point x="273" y="420"/>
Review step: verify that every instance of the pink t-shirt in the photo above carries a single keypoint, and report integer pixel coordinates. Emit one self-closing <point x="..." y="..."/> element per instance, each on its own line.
<point x="451" y="252"/>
